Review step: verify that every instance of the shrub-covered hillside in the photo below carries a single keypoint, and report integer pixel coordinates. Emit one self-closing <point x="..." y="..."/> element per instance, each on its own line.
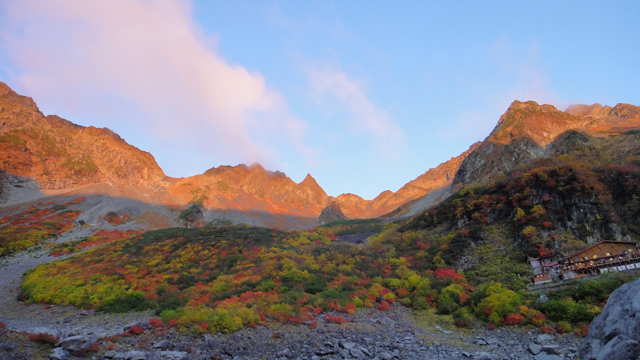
<point x="590" y="192"/>
<point x="36" y="224"/>
<point x="222" y="279"/>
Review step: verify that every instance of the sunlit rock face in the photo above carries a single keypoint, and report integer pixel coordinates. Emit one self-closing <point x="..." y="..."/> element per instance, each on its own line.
<point x="527" y="131"/>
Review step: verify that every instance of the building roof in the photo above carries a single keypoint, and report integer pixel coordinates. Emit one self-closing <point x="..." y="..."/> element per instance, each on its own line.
<point x="600" y="243"/>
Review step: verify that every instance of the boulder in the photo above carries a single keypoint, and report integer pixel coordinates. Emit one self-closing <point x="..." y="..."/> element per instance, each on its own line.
<point x="77" y="344"/>
<point x="615" y="333"/>
<point x="59" y="354"/>
<point x="544" y="338"/>
<point x="534" y="349"/>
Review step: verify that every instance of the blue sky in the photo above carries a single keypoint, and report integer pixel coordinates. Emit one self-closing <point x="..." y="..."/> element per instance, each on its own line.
<point x="364" y="95"/>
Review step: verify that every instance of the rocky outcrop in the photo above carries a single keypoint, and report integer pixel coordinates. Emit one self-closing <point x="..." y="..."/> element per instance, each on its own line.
<point x="615" y="333"/>
<point x="331" y="213"/>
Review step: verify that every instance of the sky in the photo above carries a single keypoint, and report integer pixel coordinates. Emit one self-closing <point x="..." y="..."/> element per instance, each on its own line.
<point x="363" y="95"/>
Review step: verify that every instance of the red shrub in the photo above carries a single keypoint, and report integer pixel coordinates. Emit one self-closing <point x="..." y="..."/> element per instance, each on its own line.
<point x="546" y="329"/>
<point x="204" y="326"/>
<point x="539" y="319"/>
<point x="448" y="273"/>
<point x="312" y="325"/>
<point x="383" y="306"/>
<point x="155" y="322"/>
<point x="491" y="326"/>
<point x="45" y="338"/>
<point x="136" y="329"/>
<point x="173" y="322"/>
<point x="318" y="310"/>
<point x="114" y="338"/>
<point x="335" y="319"/>
<point x="276" y="335"/>
<point x="513" y="319"/>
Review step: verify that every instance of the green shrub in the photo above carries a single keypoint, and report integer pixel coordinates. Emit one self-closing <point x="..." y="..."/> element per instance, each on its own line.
<point x="134" y="301"/>
<point x="558" y="310"/>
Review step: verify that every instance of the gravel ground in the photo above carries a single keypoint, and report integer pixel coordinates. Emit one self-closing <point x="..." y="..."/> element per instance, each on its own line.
<point x="371" y="334"/>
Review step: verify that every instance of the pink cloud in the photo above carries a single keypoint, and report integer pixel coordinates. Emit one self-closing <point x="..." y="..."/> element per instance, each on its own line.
<point x="149" y="55"/>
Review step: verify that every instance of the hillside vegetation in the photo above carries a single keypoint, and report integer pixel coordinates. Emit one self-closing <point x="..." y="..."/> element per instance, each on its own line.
<point x="466" y="257"/>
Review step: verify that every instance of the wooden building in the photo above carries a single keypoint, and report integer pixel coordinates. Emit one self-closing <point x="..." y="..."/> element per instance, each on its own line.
<point x="604" y="256"/>
<point x="603" y="249"/>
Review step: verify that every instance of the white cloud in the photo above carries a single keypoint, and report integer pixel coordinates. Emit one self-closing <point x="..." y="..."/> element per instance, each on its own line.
<point x="150" y="56"/>
<point x="366" y="117"/>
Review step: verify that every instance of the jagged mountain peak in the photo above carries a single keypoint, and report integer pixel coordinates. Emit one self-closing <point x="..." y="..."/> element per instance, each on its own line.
<point x="309" y="181"/>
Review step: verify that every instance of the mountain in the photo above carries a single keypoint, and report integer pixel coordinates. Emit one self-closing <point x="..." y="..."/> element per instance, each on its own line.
<point x="59" y="154"/>
<point x="46" y="156"/>
<point x="527" y="131"/>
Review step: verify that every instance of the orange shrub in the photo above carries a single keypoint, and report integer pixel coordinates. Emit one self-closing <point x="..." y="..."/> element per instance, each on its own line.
<point x="513" y="319"/>
<point x="402" y="292"/>
<point x="350" y="308"/>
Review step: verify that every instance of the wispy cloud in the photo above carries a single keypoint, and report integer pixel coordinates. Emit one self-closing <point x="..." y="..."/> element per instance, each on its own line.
<point x="149" y="56"/>
<point x="366" y="118"/>
<point x="521" y="77"/>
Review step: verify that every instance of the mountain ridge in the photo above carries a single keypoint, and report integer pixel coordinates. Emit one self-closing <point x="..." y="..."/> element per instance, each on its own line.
<point x="61" y="156"/>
